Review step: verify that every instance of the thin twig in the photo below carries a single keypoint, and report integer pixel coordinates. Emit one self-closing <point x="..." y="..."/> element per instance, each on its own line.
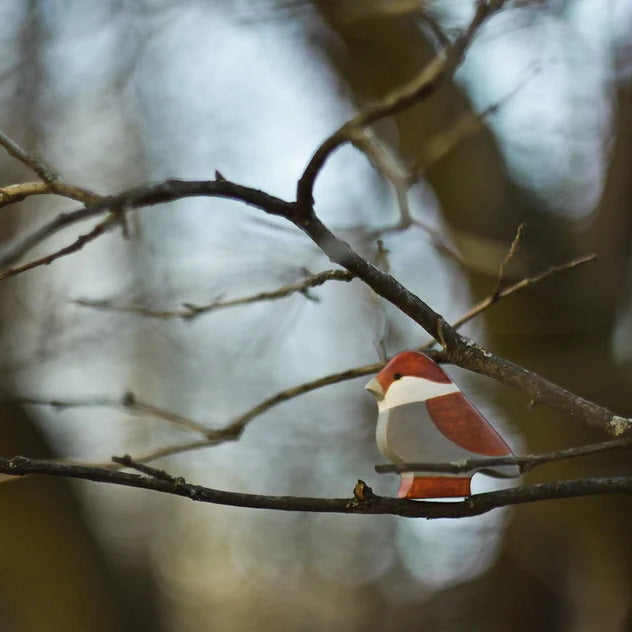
<point x="424" y="85"/>
<point x="235" y="428"/>
<point x="127" y="461"/>
<point x="443" y="143"/>
<point x="458" y="351"/>
<point x="371" y="505"/>
<point x="385" y="164"/>
<point x="382" y="261"/>
<point x="17" y="192"/>
<point x="129" y="402"/>
<point x="490" y="300"/>
<point x="33" y="163"/>
<point x="166" y="191"/>
<point x="146" y="457"/>
<point x="190" y="311"/>
<point x="75" y="246"/>
<point x="511" y="253"/>
<point x="525" y="463"/>
<point x="179" y="448"/>
<point x="388" y="167"/>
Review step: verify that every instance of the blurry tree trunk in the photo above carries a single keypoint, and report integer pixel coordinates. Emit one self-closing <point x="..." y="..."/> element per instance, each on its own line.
<point x="56" y="576"/>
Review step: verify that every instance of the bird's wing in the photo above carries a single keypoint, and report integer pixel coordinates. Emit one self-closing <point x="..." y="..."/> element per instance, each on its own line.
<point x="462" y="424"/>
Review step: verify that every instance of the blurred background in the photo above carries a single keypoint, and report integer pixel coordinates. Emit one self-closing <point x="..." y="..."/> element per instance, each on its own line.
<point x="117" y="93"/>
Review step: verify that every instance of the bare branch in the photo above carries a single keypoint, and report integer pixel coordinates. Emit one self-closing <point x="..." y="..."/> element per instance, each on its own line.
<point x="334" y="378"/>
<point x="18" y="192"/>
<point x="493" y="298"/>
<point x="129" y="402"/>
<point x="166" y="191"/>
<point x="235" y="428"/>
<point x="424" y="85"/>
<point x="190" y="311"/>
<point x="179" y="448"/>
<point x="27" y="159"/>
<point x="369" y="505"/>
<point x="75" y="246"/>
<point x="147" y="457"/>
<point x="441" y="144"/>
<point x="385" y="164"/>
<point x="231" y="431"/>
<point x="458" y="350"/>
<point x="127" y="461"/>
<point x="381" y="324"/>
<point x="511" y="253"/>
<point x="525" y="463"/>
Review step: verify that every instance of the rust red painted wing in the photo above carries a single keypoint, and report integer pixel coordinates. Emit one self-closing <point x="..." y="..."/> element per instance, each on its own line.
<point x="462" y="424"/>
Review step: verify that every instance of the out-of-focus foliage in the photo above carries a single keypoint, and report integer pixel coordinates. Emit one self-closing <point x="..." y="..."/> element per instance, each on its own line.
<point x="117" y="93"/>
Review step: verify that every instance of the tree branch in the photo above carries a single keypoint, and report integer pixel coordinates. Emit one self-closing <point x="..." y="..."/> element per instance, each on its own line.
<point x="525" y="463"/>
<point x="457" y="349"/>
<point x="422" y="86"/>
<point x="27" y="159"/>
<point x="75" y="246"/>
<point x="127" y="461"/>
<point x="51" y="182"/>
<point x="235" y="428"/>
<point x="166" y="191"/>
<point x="369" y="505"/>
<point x="190" y="311"/>
<point x="521" y="285"/>
<point x="511" y="253"/>
<point x="17" y="192"/>
<point x="129" y="402"/>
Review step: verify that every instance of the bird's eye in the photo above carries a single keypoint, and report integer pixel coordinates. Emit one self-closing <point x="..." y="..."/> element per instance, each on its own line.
<point x="397" y="376"/>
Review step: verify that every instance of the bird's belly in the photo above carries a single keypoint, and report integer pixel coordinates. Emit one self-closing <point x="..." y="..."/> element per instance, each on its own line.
<point x="381" y="436"/>
<point x="406" y="434"/>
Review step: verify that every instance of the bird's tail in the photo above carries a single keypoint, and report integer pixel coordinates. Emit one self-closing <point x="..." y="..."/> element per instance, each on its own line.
<point x="416" y="486"/>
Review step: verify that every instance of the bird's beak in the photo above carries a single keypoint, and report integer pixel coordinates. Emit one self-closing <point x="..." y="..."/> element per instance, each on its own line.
<point x="375" y="388"/>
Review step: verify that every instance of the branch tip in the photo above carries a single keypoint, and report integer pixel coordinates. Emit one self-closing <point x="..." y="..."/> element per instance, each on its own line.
<point x="620" y="426"/>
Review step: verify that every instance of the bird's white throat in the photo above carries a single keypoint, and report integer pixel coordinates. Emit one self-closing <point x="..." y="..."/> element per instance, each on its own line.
<point x="414" y="389"/>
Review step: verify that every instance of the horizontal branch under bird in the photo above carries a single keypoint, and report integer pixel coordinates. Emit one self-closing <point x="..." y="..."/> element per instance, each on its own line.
<point x="363" y="502"/>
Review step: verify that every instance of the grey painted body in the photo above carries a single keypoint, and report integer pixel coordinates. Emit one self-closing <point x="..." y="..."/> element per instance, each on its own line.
<point x="407" y="434"/>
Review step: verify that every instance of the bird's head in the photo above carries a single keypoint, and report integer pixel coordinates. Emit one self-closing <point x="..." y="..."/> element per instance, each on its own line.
<point x="409" y="377"/>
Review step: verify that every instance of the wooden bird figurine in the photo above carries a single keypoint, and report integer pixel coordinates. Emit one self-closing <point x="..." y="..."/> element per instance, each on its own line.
<point x="423" y="417"/>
